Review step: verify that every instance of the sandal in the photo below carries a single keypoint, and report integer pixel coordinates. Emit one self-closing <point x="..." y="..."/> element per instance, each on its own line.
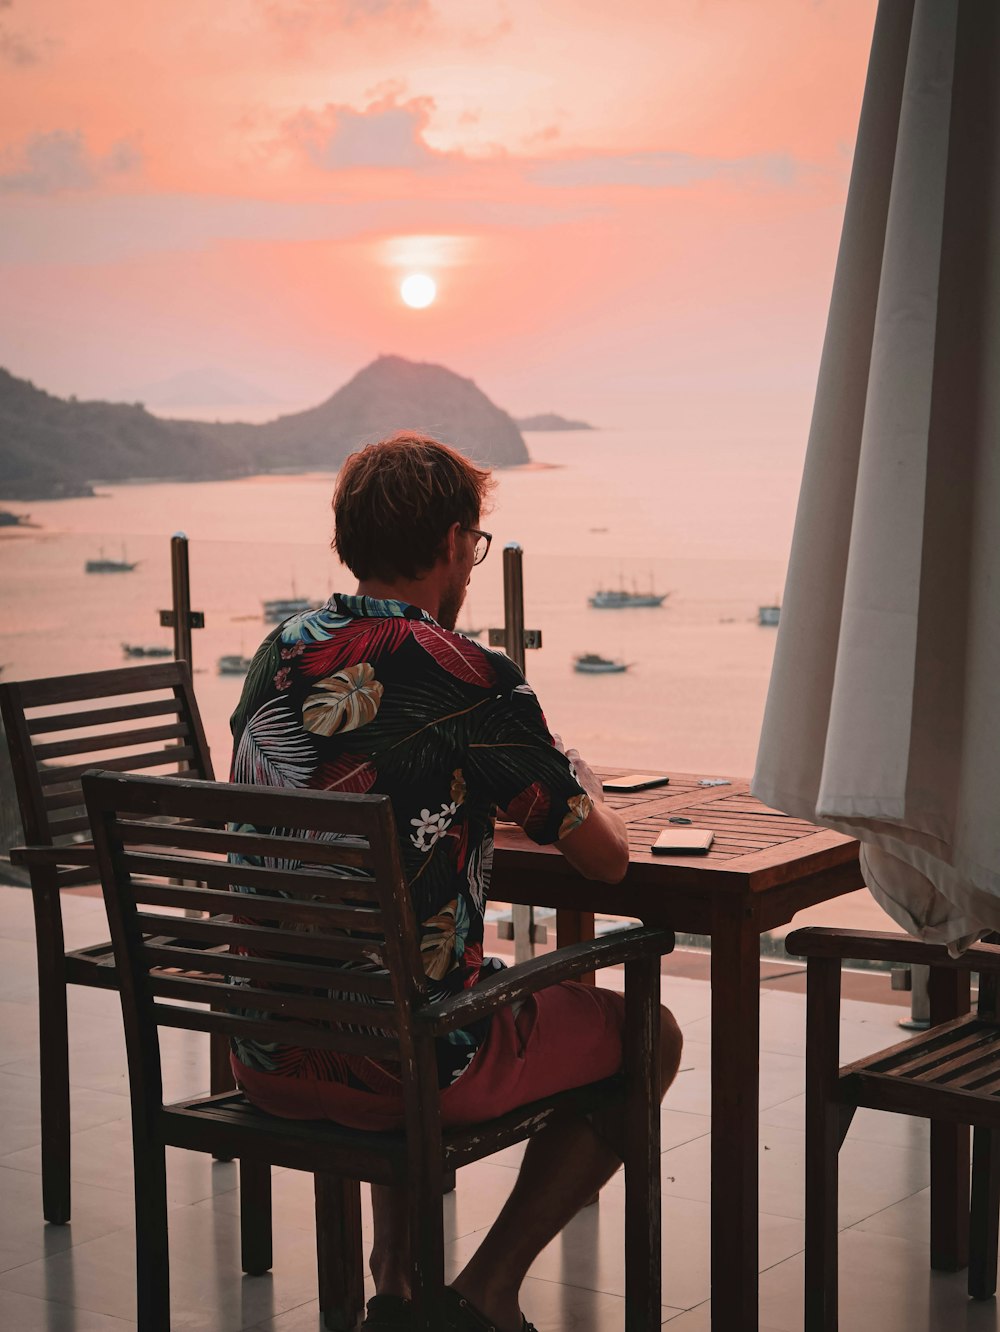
<point x="465" y="1317"/>
<point x="388" y="1313"/>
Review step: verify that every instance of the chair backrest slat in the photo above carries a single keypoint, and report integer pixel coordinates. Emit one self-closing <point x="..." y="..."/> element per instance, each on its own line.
<point x="159" y="758"/>
<point x="256" y="907"/>
<point x="221" y="873"/>
<point x="69" y="827"/>
<point x="285" y="972"/>
<point x="342" y="976"/>
<point x="344" y="851"/>
<point x="89" y="744"/>
<point x="315" y="1007"/>
<point x="218" y="932"/>
<point x="54" y="690"/>
<point x="295" y="1033"/>
<point x="71" y="721"/>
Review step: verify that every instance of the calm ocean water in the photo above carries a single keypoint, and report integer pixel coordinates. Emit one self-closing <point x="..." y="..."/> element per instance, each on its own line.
<point x="709" y="523"/>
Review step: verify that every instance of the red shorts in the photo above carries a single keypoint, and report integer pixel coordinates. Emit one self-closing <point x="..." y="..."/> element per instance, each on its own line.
<point x="562" y="1037"/>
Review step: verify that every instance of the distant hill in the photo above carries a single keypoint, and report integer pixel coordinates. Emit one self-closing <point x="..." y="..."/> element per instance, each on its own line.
<point x="208" y="386"/>
<point x="550" y="421"/>
<point x="52" y="447"/>
<point x="390" y="394"/>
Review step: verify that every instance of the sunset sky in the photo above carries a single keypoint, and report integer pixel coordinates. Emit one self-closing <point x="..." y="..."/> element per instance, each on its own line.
<point x="631" y="211"/>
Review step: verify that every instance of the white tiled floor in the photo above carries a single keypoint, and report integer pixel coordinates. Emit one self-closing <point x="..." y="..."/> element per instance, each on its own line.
<point x="79" y="1278"/>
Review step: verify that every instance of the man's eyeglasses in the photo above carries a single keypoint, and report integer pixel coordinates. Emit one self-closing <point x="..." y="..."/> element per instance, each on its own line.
<point x="483" y="540"/>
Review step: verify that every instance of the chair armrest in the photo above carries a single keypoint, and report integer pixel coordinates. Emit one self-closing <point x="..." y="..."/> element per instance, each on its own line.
<point x="816" y="941"/>
<point x="82" y="853"/>
<point x="518" y="982"/>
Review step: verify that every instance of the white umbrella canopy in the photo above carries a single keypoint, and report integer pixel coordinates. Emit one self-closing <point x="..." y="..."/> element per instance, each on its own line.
<point x="883" y="715"/>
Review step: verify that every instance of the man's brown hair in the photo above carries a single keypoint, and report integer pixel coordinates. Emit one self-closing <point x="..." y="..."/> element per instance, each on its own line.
<point x="395" y="501"/>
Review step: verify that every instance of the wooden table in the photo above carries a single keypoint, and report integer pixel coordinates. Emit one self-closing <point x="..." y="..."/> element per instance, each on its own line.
<point x="763" y="867"/>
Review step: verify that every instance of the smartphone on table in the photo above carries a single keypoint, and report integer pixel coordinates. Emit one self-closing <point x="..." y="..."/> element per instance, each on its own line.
<point x="683" y="842"/>
<point x="637" y="781"/>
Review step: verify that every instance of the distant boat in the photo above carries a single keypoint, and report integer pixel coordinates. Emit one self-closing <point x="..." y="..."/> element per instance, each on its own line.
<point x="146" y="650"/>
<point x="592" y="664"/>
<point x="768" y="615"/>
<point x="617" y="598"/>
<point x="279" y="609"/>
<point x="234" y="664"/>
<point x="102" y="566"/>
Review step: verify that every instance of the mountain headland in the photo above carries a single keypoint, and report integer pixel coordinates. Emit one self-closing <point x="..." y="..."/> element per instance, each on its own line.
<point x="551" y="421"/>
<point x="53" y="447"/>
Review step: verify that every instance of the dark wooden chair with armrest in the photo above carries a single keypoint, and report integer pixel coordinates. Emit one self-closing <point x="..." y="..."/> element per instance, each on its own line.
<point x="133" y="719"/>
<point x="949" y="1074"/>
<point x="341" y="970"/>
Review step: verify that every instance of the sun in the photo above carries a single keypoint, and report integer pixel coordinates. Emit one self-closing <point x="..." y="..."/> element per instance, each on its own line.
<point x="418" y="290"/>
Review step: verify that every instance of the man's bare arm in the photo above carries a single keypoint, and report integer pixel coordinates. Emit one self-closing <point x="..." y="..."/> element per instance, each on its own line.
<point x="598" y="848"/>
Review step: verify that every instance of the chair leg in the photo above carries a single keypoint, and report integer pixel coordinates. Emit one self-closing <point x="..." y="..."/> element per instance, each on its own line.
<point x="339" y="1255"/>
<point x="426" y="1204"/>
<point x="823" y="1138"/>
<point x="220" y="1071"/>
<point x="53" y="1042"/>
<point x="949" y="998"/>
<point x="643" y="1253"/>
<point x="255" y="1216"/>
<point x="985" y="1219"/>
<point x="152" y="1261"/>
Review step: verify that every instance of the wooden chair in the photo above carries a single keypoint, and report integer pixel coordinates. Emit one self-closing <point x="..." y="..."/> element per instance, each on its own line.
<point x="316" y="923"/>
<point x="133" y="719"/>
<point x="949" y="1074"/>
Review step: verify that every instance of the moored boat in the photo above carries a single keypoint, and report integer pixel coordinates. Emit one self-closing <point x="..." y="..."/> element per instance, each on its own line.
<point x="146" y="650"/>
<point x="618" y="598"/>
<point x="768" y="615"/>
<point x="234" y="664"/>
<point x="591" y="663"/>
<point x="282" y="607"/>
<point x="103" y="566"/>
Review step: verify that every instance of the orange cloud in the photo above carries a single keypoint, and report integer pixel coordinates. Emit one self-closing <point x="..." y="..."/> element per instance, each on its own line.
<point x="387" y="134"/>
<point x="60" y="160"/>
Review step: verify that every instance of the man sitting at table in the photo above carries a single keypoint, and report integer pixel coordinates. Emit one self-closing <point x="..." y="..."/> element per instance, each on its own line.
<point x="376" y="692"/>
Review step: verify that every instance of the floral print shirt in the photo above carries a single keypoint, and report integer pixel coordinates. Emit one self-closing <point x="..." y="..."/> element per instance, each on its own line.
<point x="367" y="695"/>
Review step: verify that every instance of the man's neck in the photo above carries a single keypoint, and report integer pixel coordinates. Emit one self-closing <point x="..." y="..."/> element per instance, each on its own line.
<point x="421" y="592"/>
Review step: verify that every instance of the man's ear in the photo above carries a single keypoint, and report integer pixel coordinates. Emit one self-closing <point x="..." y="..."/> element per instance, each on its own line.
<point x="451" y="542"/>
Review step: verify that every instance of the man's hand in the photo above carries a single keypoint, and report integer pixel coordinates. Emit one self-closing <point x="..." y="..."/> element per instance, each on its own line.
<point x="585" y="774"/>
<point x="598" y="849"/>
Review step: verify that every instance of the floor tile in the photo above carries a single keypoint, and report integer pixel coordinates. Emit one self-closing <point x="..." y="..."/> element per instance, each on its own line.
<point x="22" y="1313"/>
<point x="102" y="1156"/>
<point x="24" y="1235"/>
<point x="908" y="1219"/>
<point x="872" y="1175"/>
<point x="885" y="1283"/>
<point x="208" y="1291"/>
<point x="18" y="1032"/>
<point x="782" y="1076"/>
<point x="19" y="1101"/>
<point x="867" y="1125"/>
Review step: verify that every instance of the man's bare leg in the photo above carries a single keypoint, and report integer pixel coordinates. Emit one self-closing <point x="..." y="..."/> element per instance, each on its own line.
<point x="563" y="1167"/>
